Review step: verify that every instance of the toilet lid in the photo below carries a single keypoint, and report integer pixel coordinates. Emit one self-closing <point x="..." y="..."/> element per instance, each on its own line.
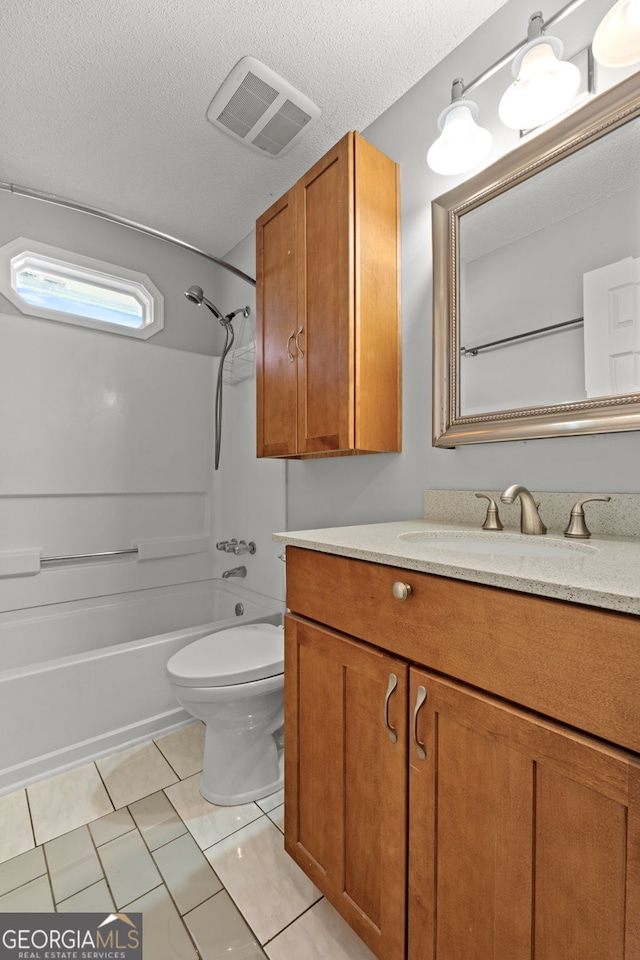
<point x="237" y="655"/>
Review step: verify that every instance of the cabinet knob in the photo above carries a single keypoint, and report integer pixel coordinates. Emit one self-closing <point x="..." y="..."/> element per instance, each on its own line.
<point x="401" y="590"/>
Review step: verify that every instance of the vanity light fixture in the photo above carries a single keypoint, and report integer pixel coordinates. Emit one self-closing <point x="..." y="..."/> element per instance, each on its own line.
<point x="544" y="85"/>
<point x="462" y="145"/>
<point x="617" y="40"/>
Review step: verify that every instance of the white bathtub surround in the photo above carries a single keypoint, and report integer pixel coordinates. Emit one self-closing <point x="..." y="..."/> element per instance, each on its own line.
<point x="142" y="857"/>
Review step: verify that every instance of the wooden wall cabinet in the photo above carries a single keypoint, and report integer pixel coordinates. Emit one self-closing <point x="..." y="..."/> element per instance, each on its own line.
<point x="485" y="831"/>
<point x="327" y="298"/>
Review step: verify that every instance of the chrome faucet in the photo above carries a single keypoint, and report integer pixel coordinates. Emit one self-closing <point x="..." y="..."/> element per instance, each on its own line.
<point x="234" y="572"/>
<point x="530" y="521"/>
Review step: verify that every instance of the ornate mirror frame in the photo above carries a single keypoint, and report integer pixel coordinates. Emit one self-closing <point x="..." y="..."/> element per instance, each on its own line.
<point x="600" y="116"/>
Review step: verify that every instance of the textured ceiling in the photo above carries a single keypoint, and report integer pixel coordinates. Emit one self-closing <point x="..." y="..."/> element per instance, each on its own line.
<point x="104" y="101"/>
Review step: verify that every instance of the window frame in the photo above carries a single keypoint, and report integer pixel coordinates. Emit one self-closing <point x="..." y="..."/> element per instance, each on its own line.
<point x="22" y="252"/>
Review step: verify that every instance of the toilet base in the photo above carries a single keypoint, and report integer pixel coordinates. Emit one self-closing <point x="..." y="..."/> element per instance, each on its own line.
<point x="257" y="793"/>
<point x="244" y="763"/>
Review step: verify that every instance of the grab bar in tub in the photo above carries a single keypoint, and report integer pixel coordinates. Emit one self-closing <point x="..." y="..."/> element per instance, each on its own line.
<point x="89" y="556"/>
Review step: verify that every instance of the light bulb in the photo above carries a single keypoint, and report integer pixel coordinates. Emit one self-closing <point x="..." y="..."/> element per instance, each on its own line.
<point x="544" y="85"/>
<point x="462" y="144"/>
<point x="617" y="40"/>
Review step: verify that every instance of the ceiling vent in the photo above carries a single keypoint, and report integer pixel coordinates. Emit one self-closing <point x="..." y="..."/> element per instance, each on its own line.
<point x="260" y="109"/>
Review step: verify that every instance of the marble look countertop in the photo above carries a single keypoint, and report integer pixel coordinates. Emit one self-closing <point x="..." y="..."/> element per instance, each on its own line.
<point x="601" y="572"/>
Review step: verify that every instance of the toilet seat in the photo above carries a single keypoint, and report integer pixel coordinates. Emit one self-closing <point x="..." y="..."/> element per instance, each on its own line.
<point x="237" y="655"/>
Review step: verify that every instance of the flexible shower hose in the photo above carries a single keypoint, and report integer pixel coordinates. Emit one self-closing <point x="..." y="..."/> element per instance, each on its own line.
<point x="228" y="343"/>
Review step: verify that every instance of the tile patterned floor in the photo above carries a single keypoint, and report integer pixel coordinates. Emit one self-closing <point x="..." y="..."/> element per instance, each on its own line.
<point x="131" y="832"/>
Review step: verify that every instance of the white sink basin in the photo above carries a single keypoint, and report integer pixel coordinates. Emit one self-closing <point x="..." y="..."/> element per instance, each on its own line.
<point x="498" y="544"/>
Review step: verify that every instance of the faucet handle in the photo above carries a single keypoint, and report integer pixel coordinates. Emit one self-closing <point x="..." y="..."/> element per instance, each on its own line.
<point x="492" y="520"/>
<point x="577" y="525"/>
<point x="244" y="547"/>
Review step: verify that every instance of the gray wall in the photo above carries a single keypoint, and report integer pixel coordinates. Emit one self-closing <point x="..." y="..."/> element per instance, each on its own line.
<point x="386" y="487"/>
<point x="171" y="268"/>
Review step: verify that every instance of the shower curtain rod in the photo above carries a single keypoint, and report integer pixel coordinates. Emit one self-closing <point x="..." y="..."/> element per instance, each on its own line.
<point x="123" y="221"/>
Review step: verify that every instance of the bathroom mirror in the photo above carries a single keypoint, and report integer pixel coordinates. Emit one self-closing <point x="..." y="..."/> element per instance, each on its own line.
<point x="537" y="284"/>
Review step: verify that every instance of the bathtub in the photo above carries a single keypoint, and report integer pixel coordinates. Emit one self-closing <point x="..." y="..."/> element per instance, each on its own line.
<point x="83" y="679"/>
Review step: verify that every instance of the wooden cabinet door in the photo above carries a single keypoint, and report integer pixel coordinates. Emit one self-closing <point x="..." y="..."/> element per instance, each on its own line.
<point x="326" y="319"/>
<point x="345" y="781"/>
<point x="524" y="838"/>
<point x="277" y="314"/>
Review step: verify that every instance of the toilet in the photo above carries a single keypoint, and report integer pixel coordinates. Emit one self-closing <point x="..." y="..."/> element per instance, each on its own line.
<point x="233" y="680"/>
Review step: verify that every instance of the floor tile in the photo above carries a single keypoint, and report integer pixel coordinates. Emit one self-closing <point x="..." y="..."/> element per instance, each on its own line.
<point x="320" y="934"/>
<point x="277" y="816"/>
<point x="207" y="822"/>
<point x="95" y="899"/>
<point x="135" y="773"/>
<point x="129" y="868"/>
<point x="73" y="863"/>
<point x="164" y="936"/>
<point x="186" y="872"/>
<point x="33" y="897"/>
<point x="184" y="749"/>
<point x="220" y="932"/>
<point x="157" y="820"/>
<point x="272" y="801"/>
<point x="269" y="889"/>
<point x="112" y="826"/>
<point x="67" y="801"/>
<point x="16" y="836"/>
<point x="22" y="869"/>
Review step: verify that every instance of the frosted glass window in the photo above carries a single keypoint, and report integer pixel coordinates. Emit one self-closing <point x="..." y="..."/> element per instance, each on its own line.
<point x="59" y="285"/>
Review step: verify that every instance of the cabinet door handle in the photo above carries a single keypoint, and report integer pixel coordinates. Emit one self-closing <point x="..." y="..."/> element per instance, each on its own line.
<point x="299" y="348"/>
<point x="290" y="338"/>
<point x="420" y="699"/>
<point x="393" y="683"/>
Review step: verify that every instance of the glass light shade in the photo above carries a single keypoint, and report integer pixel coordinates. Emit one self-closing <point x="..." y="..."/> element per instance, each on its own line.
<point x="617" y="40"/>
<point x="544" y="86"/>
<point x="462" y="144"/>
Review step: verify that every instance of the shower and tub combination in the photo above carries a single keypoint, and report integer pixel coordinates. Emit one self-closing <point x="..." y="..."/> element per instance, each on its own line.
<point x="82" y="678"/>
<point x="107" y="687"/>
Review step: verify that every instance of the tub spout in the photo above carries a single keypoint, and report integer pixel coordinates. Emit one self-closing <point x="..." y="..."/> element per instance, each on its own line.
<point x="234" y="572"/>
<point x="530" y="521"/>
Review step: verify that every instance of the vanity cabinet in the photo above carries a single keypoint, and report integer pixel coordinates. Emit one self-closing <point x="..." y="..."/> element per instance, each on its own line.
<point x="483" y="828"/>
<point x="327" y="300"/>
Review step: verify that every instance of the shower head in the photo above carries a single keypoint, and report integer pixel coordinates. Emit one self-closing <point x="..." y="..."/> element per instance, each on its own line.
<point x="196" y="295"/>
